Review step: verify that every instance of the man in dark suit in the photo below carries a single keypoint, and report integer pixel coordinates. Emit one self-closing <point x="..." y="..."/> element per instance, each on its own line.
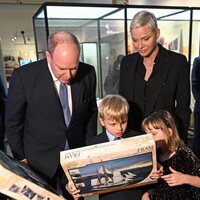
<point x="154" y="78"/>
<point x="35" y="121"/>
<point x="113" y="116"/>
<point x="2" y="114"/>
<point x="196" y="94"/>
<point x="2" y="124"/>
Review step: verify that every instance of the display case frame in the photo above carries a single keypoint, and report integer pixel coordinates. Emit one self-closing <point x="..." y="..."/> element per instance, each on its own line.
<point x="110" y="32"/>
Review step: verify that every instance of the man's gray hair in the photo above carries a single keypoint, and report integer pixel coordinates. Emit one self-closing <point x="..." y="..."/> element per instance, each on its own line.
<point x="144" y="18"/>
<point x="62" y="37"/>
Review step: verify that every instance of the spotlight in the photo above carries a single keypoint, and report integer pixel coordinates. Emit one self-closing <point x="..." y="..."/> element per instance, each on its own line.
<point x="22" y="32"/>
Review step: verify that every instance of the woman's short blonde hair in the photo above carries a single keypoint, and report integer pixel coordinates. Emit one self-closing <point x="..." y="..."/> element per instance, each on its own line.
<point x="143" y="18"/>
<point x="114" y="107"/>
<point x="163" y="120"/>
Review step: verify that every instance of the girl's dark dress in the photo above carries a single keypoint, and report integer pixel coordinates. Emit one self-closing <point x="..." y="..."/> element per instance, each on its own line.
<point x="183" y="161"/>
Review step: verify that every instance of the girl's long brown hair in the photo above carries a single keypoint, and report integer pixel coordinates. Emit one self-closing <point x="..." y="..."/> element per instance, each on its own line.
<point x="163" y="120"/>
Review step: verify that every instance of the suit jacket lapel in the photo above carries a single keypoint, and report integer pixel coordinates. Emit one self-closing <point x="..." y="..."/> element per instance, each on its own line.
<point x="76" y="90"/>
<point x="53" y="103"/>
<point x="132" y="66"/>
<point x="103" y="137"/>
<point x="159" y="83"/>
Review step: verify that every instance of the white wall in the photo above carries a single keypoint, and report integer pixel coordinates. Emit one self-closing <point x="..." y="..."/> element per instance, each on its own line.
<point x="192" y="3"/>
<point x="14" y="19"/>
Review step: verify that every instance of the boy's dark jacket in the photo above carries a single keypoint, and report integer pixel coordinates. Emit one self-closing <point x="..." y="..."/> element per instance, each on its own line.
<point x="128" y="194"/>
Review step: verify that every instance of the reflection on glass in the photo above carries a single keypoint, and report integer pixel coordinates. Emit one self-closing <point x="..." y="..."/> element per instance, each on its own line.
<point x="104" y="26"/>
<point x="174" y="29"/>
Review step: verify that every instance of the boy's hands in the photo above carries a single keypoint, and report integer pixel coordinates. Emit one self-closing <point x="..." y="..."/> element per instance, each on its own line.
<point x="73" y="191"/>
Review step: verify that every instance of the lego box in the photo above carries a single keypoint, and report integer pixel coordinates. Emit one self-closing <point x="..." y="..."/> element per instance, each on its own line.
<point x="19" y="182"/>
<point x="111" y="166"/>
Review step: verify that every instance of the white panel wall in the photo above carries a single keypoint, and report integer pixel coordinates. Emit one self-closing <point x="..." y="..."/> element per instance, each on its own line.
<point x="14" y="19"/>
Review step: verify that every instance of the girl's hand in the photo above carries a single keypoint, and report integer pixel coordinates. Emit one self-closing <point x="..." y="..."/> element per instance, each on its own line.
<point x="175" y="178"/>
<point x="158" y="173"/>
<point x="145" y="196"/>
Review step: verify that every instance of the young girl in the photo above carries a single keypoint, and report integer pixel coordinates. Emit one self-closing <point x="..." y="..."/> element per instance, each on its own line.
<point x="181" y="179"/>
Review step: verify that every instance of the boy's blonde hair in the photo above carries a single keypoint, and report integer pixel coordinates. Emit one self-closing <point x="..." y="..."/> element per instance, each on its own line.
<point x="114" y="107"/>
<point x="163" y="120"/>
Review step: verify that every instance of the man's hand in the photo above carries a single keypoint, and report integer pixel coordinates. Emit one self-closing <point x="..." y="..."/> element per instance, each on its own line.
<point x="24" y="162"/>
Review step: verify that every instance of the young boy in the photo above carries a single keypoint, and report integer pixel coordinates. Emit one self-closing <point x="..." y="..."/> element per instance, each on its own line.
<point x="113" y="116"/>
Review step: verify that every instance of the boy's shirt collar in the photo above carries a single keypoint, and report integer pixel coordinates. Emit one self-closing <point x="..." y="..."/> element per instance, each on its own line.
<point x="110" y="136"/>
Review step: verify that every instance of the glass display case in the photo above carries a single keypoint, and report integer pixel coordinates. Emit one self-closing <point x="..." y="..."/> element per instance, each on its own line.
<point x="195" y="40"/>
<point x="101" y="37"/>
<point x="103" y="32"/>
<point x="174" y="25"/>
